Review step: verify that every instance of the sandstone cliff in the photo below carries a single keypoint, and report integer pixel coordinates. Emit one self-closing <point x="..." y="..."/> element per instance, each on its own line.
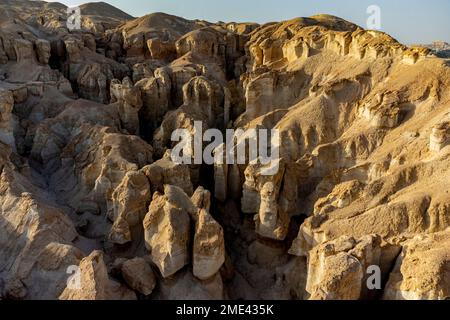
<point x="88" y="184"/>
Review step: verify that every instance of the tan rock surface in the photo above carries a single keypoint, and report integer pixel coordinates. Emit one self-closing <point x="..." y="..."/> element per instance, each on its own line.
<point x="95" y="283"/>
<point x="422" y="270"/>
<point x="167" y="231"/>
<point x="86" y="123"/>
<point x="139" y="276"/>
<point x="209" y="246"/>
<point x="338" y="270"/>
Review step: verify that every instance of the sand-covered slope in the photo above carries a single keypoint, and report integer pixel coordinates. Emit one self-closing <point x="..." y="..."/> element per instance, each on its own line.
<point x="88" y="184"/>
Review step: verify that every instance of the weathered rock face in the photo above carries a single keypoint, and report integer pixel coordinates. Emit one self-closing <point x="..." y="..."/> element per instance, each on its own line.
<point x="166" y="172"/>
<point x="36" y="240"/>
<point x="215" y="43"/>
<point x="89" y="72"/>
<point x="88" y="178"/>
<point x="167" y="233"/>
<point x="339" y="269"/>
<point x="6" y="122"/>
<point x="129" y="205"/>
<point x="43" y="49"/>
<point x="89" y="149"/>
<point x="95" y="284"/>
<point x="167" y="230"/>
<point x="129" y="102"/>
<point x="205" y="97"/>
<point x="24" y="50"/>
<point x="209" y="246"/>
<point x="440" y="136"/>
<point x="93" y="80"/>
<point x="154" y="36"/>
<point x="422" y="270"/>
<point x="261" y="194"/>
<point x="156" y="99"/>
<point x="139" y="276"/>
<point x="160" y="49"/>
<point x="401" y="217"/>
<point x="185" y="286"/>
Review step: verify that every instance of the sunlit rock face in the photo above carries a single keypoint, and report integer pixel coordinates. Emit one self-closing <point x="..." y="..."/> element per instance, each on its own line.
<point x="94" y="206"/>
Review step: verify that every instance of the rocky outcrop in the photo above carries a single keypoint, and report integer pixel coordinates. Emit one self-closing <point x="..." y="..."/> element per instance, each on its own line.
<point x="129" y="102"/>
<point x="184" y="286"/>
<point x="167" y="232"/>
<point x="339" y="269"/>
<point x="139" y="276"/>
<point x="402" y="216"/>
<point x="7" y="118"/>
<point x="85" y="159"/>
<point x="93" y="80"/>
<point x="166" y="172"/>
<point x="216" y="43"/>
<point x="421" y="271"/>
<point x="43" y="51"/>
<point x="206" y="97"/>
<point x="209" y="244"/>
<point x="36" y="246"/>
<point x="154" y="35"/>
<point x="129" y="201"/>
<point x="90" y="180"/>
<point x="261" y="194"/>
<point x="440" y="136"/>
<point x="24" y="50"/>
<point x="161" y="49"/>
<point x="94" y="282"/>
<point x="156" y="97"/>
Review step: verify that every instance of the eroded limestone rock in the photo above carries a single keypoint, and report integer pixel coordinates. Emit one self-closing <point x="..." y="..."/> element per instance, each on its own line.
<point x="43" y="49"/>
<point x="7" y="118"/>
<point x="338" y="270"/>
<point x="139" y="276"/>
<point x="167" y="231"/>
<point x="440" y="136"/>
<point x="95" y="284"/>
<point x="129" y="101"/>
<point x="130" y="202"/>
<point x="422" y="270"/>
<point x="209" y="246"/>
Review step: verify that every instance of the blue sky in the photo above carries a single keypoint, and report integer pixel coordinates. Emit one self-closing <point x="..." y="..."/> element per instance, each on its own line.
<point x="410" y="21"/>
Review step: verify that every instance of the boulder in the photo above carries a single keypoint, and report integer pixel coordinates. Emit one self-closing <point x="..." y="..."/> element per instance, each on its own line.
<point x="139" y="276"/>
<point x="167" y="231"/>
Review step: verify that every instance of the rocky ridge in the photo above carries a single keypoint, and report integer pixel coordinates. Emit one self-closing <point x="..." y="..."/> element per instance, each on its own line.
<point x="87" y="180"/>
